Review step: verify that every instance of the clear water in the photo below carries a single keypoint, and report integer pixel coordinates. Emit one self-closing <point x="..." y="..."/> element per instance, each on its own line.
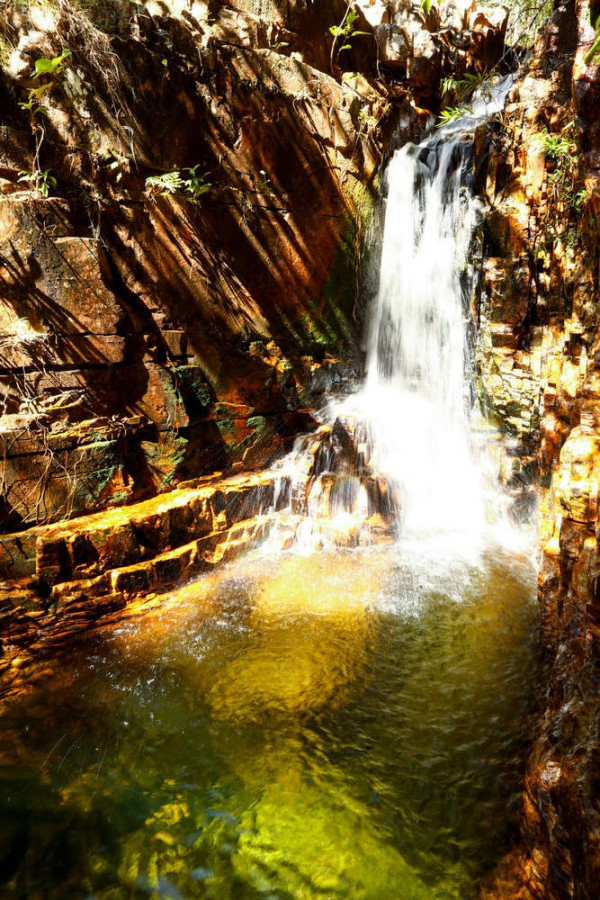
<point x="348" y="726"/>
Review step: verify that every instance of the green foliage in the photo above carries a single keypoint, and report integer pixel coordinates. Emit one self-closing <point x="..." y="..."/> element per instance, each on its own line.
<point x="569" y="198"/>
<point x="196" y="185"/>
<point x="169" y="183"/>
<point x="593" y="54"/>
<point x="278" y="46"/>
<point x="425" y="7"/>
<point x="52" y="67"/>
<point x="346" y="31"/>
<point x="463" y="87"/>
<point x="184" y="181"/>
<point x="580" y="200"/>
<point x="452" y="114"/>
<point x="49" y="69"/>
<point x="559" y="147"/>
<point x="43" y="182"/>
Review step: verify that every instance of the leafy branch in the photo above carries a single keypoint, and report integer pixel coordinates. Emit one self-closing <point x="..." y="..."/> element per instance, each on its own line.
<point x="344" y="32"/>
<point x="185" y="181"/>
<point x="49" y="69"/>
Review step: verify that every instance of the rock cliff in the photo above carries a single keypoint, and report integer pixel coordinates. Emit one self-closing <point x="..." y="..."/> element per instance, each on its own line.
<point x="154" y="330"/>
<point x="539" y="342"/>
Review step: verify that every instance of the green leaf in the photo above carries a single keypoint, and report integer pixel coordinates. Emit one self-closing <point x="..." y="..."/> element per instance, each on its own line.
<point x="45" y="66"/>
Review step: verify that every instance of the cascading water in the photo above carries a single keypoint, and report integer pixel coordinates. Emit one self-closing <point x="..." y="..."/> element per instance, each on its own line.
<point x="418" y="365"/>
<point x="405" y="444"/>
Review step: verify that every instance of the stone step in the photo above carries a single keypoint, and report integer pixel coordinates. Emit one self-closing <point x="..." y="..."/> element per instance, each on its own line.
<point x="90" y="545"/>
<point x="28" y="620"/>
<point x="61" y="578"/>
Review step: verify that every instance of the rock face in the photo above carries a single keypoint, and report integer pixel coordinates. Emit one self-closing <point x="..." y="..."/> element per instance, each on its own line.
<point x="449" y="40"/>
<point x="539" y="369"/>
<point x="64" y="576"/>
<point x="151" y="335"/>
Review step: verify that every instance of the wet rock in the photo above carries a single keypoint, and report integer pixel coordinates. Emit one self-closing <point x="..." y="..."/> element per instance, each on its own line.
<point x="539" y="368"/>
<point x="64" y="577"/>
<point x="577" y="477"/>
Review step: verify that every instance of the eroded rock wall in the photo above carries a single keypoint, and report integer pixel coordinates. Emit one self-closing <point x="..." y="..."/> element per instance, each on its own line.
<point x="539" y="359"/>
<point x="146" y="337"/>
<point x="183" y="199"/>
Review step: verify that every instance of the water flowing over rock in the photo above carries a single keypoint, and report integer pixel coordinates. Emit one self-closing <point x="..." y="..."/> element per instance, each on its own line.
<point x="412" y="419"/>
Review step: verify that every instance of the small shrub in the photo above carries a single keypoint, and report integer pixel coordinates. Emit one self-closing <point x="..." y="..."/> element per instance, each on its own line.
<point x="184" y="181"/>
<point x="43" y="182"/>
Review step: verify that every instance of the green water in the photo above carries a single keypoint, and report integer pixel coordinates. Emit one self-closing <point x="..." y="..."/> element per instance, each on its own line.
<point x="348" y="726"/>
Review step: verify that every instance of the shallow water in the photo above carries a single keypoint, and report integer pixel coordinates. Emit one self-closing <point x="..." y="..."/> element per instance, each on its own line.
<point x="346" y="726"/>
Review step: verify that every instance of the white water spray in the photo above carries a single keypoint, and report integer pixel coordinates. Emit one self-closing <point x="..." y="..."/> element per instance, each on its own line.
<point x="411" y="424"/>
<point x="418" y="398"/>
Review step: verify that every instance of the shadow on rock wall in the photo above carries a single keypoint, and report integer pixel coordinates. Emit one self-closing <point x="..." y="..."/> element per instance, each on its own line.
<point x="148" y="337"/>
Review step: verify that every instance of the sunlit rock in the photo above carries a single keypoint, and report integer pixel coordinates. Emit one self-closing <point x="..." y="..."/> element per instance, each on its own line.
<point x="577" y="481"/>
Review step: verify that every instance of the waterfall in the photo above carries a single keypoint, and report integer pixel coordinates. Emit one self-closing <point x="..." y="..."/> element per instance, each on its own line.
<point x="418" y="391"/>
<point x="419" y="396"/>
<point x="404" y="444"/>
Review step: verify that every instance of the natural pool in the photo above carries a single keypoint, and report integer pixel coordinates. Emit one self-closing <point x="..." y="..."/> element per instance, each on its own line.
<point x="348" y="725"/>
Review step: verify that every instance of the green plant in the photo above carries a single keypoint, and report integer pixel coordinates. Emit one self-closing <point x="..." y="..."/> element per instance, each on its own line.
<point x="463" y="87"/>
<point x="557" y="147"/>
<point x="580" y="200"/>
<point x="344" y="32"/>
<point x="168" y="183"/>
<point x="196" y="185"/>
<point x="425" y="7"/>
<point x="43" y="182"/>
<point x="50" y="69"/>
<point x="452" y="114"/>
<point x="278" y="46"/>
<point x="568" y="205"/>
<point x="561" y="150"/>
<point x="180" y="181"/>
